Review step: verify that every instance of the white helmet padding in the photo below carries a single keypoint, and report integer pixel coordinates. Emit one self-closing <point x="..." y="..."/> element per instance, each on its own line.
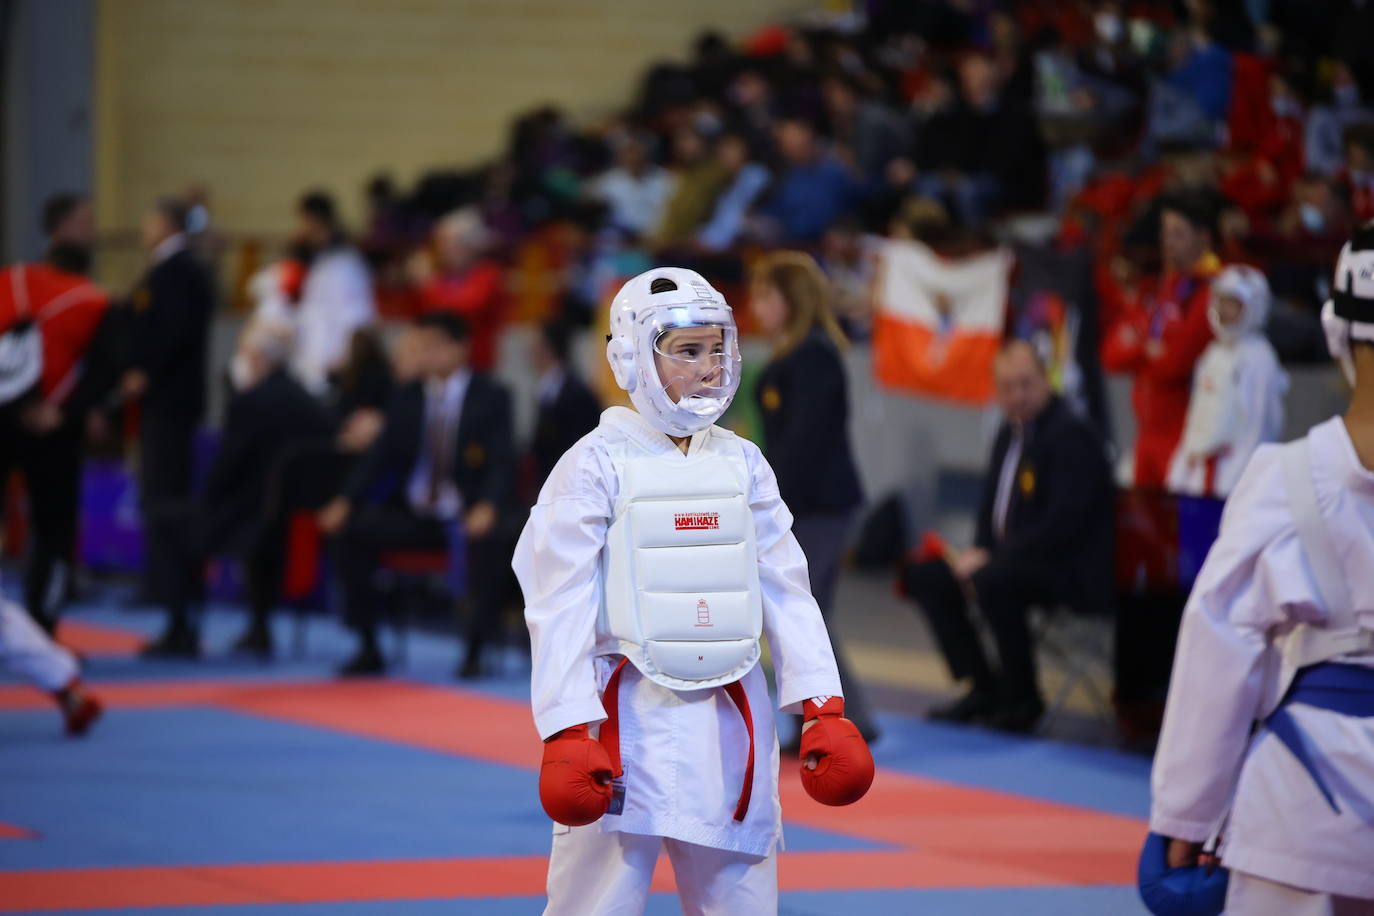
<point x="1247" y="285"/>
<point x="1349" y="313"/>
<point x="643" y="312"/>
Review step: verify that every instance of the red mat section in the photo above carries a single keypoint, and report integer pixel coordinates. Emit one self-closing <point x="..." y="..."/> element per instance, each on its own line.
<point x="93" y="639"/>
<point x="945" y="835"/>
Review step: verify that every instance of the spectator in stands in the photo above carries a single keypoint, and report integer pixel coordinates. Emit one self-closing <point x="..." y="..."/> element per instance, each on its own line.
<point x="803" y="396"/>
<point x="43" y="415"/>
<point x="1044" y="538"/>
<point x="568" y="409"/>
<point x="636" y="190"/>
<point x="746" y="182"/>
<point x="814" y="189"/>
<point x="444" y="459"/>
<point x="699" y="179"/>
<point x="1326" y="123"/>
<point x="335" y="297"/>
<point x="172" y="309"/>
<point x="869" y="132"/>
<point x="1237" y="400"/>
<point x="981" y="152"/>
<point x="269" y="413"/>
<point x="1358" y="171"/>
<point x="464" y="280"/>
<point x="1161" y="340"/>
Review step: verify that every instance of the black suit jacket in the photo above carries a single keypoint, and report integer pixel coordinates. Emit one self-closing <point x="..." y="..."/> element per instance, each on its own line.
<point x="804" y="400"/>
<point x="1061" y="511"/>
<point x="261" y="424"/>
<point x="484" y="458"/>
<point x="172" y="308"/>
<point x="574" y="412"/>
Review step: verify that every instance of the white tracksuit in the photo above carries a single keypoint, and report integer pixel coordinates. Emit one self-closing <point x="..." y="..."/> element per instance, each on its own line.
<point x="1254" y="587"/>
<point x="683" y="751"/>
<point x="25" y="648"/>
<point x="1236" y="405"/>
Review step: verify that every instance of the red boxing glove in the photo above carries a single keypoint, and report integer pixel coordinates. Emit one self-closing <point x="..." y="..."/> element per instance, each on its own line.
<point x="575" y="777"/>
<point x="836" y="766"/>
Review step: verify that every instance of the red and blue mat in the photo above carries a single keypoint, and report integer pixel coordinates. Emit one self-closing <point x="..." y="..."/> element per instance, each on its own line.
<point x="231" y="788"/>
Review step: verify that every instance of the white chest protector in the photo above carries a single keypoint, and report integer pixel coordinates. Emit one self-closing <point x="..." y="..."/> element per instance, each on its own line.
<point x="682" y="594"/>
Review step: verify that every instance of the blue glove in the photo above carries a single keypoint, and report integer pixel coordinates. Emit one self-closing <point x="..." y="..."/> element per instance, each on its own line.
<point x="1193" y="890"/>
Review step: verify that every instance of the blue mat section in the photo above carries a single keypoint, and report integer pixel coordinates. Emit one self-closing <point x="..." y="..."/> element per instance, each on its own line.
<point x="1082" y="901"/>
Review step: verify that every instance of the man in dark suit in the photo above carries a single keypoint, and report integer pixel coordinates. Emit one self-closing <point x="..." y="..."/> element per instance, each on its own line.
<point x="1044" y="538"/>
<point x="268" y="414"/>
<point x="444" y="459"/>
<point x="172" y="307"/>
<point x="568" y="409"/>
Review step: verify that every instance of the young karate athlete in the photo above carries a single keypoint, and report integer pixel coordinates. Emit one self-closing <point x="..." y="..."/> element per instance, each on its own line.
<point x="26" y="649"/>
<point x="1238" y="387"/>
<point x="657" y="555"/>
<point x="1268" y="737"/>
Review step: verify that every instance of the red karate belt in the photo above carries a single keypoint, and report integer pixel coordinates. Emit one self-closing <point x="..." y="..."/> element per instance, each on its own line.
<point x="610" y="732"/>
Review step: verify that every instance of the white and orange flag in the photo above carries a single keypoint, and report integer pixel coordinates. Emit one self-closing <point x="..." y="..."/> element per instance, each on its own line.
<point x="938" y="322"/>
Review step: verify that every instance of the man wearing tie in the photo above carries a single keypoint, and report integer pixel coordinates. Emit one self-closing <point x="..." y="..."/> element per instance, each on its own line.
<point x="439" y="475"/>
<point x="1044" y="537"/>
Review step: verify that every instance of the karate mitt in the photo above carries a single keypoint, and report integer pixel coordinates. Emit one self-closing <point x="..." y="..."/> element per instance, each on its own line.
<point x="1190" y="890"/>
<point x="575" y="777"/>
<point x="836" y="767"/>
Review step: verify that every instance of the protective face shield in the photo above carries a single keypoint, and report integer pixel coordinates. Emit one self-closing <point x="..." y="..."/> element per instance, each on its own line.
<point x="1250" y="287"/>
<point x="1349" y="313"/>
<point x="675" y="349"/>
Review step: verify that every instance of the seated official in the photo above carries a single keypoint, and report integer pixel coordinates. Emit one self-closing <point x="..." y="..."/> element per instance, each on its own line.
<point x="443" y="458"/>
<point x="1044" y="538"/>
<point x="568" y="409"/>
<point x="269" y="414"/>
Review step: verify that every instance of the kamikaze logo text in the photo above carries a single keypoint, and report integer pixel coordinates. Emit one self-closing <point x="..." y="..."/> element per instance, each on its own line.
<point x="696" y="521"/>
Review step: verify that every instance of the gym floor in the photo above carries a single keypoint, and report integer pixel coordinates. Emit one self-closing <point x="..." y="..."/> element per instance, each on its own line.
<point x="233" y="787"/>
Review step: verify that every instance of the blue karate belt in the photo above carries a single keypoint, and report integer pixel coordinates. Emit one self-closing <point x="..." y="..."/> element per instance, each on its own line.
<point x="1344" y="689"/>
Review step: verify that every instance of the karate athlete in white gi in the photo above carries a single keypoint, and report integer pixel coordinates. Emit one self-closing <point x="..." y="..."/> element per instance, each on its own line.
<point x="1238" y="387"/>
<point x="1268" y="735"/>
<point x="27" y="650"/>
<point x="657" y="555"/>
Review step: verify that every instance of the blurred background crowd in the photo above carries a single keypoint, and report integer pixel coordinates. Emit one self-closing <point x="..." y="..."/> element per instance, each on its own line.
<point x="1151" y="194"/>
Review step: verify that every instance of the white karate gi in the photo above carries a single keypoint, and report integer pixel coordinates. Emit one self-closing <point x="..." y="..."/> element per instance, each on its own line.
<point x="1236" y="405"/>
<point x="25" y="648"/>
<point x="1254" y="587"/>
<point x="683" y="752"/>
<point x="336" y="300"/>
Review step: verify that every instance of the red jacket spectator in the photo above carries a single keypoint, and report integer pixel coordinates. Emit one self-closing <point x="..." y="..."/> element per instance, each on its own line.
<point x="478" y="294"/>
<point x="67" y="308"/>
<point x="1160" y="341"/>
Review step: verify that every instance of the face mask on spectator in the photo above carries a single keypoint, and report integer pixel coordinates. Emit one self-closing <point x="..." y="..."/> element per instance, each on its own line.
<point x="1285" y="106"/>
<point x="1312" y="218"/>
<point x="1347" y="96"/>
<point x="1109" y="27"/>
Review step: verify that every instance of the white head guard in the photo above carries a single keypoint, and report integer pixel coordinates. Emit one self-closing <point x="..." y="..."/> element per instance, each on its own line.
<point x="1349" y="313"/>
<point x="646" y="308"/>
<point x="1249" y="286"/>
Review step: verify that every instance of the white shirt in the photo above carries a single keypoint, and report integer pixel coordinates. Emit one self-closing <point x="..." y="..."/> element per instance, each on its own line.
<point x="1001" y="504"/>
<point x="443" y="404"/>
<point x="168" y="247"/>
<point x="684" y="752"/>
<point x="336" y="300"/>
<point x="1254" y="585"/>
<point x="550" y="383"/>
<point x="636" y="201"/>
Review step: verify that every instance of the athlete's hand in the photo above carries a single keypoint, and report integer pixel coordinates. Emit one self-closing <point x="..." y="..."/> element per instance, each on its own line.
<point x="836" y="766"/>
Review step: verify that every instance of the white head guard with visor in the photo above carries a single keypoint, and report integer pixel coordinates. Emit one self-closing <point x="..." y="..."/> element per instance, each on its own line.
<point x="1248" y="286"/>
<point x="1349" y="313"/>
<point x="649" y="361"/>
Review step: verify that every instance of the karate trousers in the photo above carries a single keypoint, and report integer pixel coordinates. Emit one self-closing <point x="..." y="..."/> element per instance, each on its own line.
<point x="592" y="873"/>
